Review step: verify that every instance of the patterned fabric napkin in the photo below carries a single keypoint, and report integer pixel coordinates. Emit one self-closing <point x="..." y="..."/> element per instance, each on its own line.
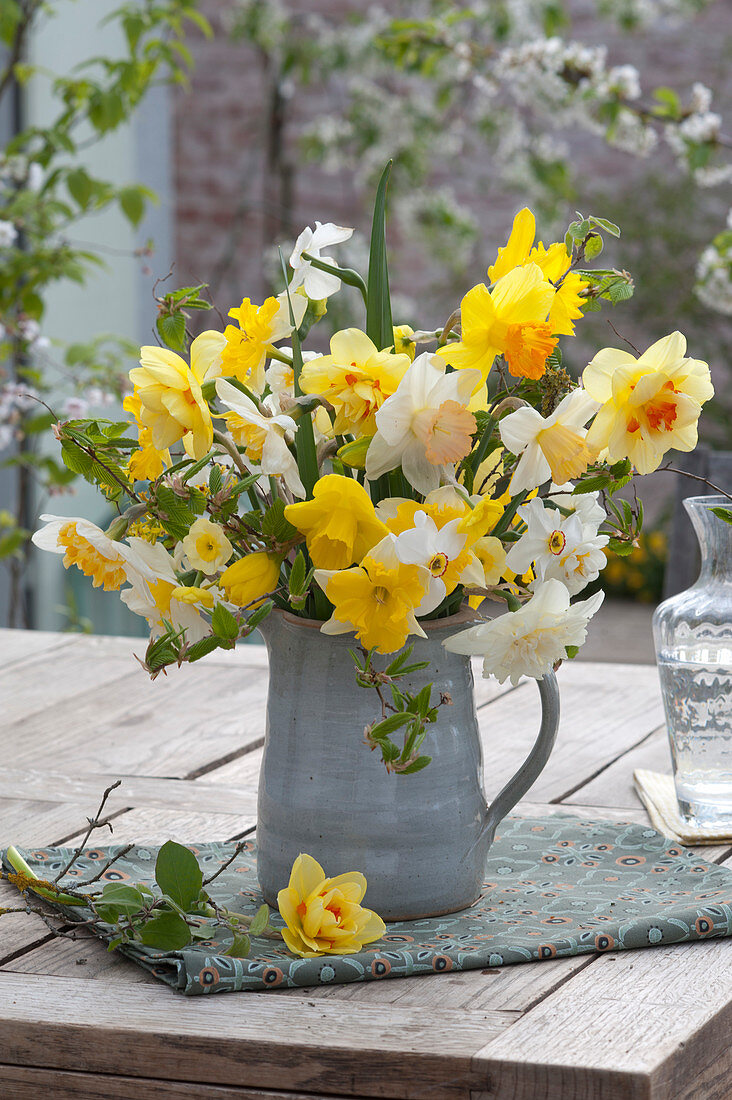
<point x="658" y="794"/>
<point x="554" y="886"/>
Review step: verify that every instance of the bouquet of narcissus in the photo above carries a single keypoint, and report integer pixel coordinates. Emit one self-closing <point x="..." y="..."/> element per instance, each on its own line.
<point x="392" y="479"/>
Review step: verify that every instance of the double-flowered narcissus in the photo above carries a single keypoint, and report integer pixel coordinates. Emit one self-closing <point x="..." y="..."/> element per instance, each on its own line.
<point x="324" y="916"/>
<point x="340" y="524"/>
<point x="648" y="405"/>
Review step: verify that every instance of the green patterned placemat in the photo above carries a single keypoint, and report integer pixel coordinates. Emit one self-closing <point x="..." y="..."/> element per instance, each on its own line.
<point x="554" y="886"/>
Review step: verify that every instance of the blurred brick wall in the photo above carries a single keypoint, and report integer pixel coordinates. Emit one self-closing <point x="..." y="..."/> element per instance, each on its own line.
<point x="226" y="205"/>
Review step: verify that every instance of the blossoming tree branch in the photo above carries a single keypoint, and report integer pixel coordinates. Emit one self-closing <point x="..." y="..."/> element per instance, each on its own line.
<point x="390" y="481"/>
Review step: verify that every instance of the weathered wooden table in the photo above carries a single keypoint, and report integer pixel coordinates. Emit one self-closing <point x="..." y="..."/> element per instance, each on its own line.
<point x="77" y="1022"/>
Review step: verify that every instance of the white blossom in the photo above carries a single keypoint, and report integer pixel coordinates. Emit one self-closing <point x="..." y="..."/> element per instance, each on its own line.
<point x="8" y="234"/>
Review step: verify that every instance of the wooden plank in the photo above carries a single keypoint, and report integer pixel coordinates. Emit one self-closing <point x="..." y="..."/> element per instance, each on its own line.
<point x="617" y="1030"/>
<point x="174" y="727"/>
<point x="590" y="699"/>
<point x="254" y="1041"/>
<point x="135" y="790"/>
<point x="19" y="645"/>
<point x="28" y="1083"/>
<point x="614" y="785"/>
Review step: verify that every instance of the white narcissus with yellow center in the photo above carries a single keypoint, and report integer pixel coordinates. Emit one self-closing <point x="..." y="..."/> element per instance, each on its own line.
<point x="206" y="546"/>
<point x="156" y="599"/>
<point x="425" y="426"/>
<point x="443" y="551"/>
<point x="108" y="562"/>
<point x="172" y="404"/>
<point x="650" y="404"/>
<point x="559" y="546"/>
<point x="273" y="456"/>
<point x="530" y="641"/>
<point x="553" y="446"/>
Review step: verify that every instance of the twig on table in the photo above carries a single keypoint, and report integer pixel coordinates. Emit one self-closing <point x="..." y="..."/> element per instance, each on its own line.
<point x="94" y="823"/>
<point x="239" y="848"/>
<point x="107" y="865"/>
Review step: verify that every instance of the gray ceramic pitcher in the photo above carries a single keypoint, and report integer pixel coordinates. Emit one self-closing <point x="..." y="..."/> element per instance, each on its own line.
<point x="421" y="840"/>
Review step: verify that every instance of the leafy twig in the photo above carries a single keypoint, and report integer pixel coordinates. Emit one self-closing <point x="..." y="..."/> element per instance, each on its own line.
<point x="94" y="823"/>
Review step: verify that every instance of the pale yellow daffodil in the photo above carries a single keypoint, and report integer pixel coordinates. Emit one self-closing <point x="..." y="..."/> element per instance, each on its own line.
<point x="650" y="404"/>
<point x="356" y="378"/>
<point x="172" y="405"/>
<point x="206" y="546"/>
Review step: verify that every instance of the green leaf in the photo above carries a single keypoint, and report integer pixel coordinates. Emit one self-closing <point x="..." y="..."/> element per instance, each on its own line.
<point x="172" y="330"/>
<point x="379" y="324"/>
<point x="260" y="920"/>
<point x="722" y="513"/>
<point x="167" y="931"/>
<point x="240" y="947"/>
<point x="118" y="901"/>
<point x="201" y="648"/>
<point x="417" y="766"/>
<point x="390" y="725"/>
<point x="274" y="524"/>
<point x="178" y="874"/>
<point x="80" y="187"/>
<point x="603" y="223"/>
<point x="132" y="204"/>
<point x="593" y="246"/>
<point x="224" y="624"/>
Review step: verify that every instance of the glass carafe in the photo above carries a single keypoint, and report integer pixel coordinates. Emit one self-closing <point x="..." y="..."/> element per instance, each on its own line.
<point x="693" y="637"/>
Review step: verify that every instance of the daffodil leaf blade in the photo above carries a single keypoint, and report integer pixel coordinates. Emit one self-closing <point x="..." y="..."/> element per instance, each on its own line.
<point x="379" y="324"/>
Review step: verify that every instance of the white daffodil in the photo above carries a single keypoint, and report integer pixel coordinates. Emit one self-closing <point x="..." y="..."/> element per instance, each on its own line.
<point x="156" y="600"/>
<point x="317" y="284"/>
<point x="263" y="436"/>
<point x="108" y="562"/>
<point x="530" y="641"/>
<point x="560" y="547"/>
<point x="443" y="552"/>
<point x="425" y="426"/>
<point x="586" y="505"/>
<point x="554" y="446"/>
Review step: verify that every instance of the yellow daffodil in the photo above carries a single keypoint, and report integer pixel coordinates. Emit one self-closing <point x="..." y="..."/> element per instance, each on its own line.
<point x="650" y="404"/>
<point x="323" y="916"/>
<point x="191" y="594"/>
<point x="246" y="347"/>
<point x="376" y="599"/>
<point x="554" y="262"/>
<point x="206" y="546"/>
<point x="403" y="344"/>
<point x="107" y="562"/>
<point x="339" y="523"/>
<point x="148" y="462"/>
<point x="356" y="378"/>
<point x="509" y="320"/>
<point x="555" y="446"/>
<point x="251" y="578"/>
<point x="172" y="405"/>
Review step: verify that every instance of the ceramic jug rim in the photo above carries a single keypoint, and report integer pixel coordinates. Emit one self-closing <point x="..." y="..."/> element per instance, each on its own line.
<point x="461" y="618"/>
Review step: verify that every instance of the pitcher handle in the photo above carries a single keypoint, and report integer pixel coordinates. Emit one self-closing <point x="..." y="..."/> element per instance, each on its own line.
<point x="534" y="764"/>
